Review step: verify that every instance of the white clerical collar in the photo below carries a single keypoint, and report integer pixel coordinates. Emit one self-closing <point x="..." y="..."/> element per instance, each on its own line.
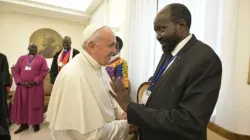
<point x="181" y="45"/>
<point x="92" y="61"/>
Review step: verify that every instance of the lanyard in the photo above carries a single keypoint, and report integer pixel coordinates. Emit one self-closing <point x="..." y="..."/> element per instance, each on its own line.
<point x="163" y="68"/>
<point x="28" y="61"/>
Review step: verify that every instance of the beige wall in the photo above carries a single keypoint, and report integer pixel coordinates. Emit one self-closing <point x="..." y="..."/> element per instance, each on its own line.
<point x="17" y="28"/>
<point x="100" y="15"/>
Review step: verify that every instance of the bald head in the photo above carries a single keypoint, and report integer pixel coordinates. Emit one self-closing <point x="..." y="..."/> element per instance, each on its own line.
<point x="32" y="49"/>
<point x="177" y="12"/>
<point x="100" y="44"/>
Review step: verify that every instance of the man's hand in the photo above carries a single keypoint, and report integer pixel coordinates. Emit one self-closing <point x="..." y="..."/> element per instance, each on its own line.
<point x="121" y="94"/>
<point x="132" y="129"/>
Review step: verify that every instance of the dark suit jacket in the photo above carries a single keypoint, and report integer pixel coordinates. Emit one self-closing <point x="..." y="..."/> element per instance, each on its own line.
<point x="183" y="99"/>
<point x="4" y="70"/>
<point x="4" y="128"/>
<point x="54" y="67"/>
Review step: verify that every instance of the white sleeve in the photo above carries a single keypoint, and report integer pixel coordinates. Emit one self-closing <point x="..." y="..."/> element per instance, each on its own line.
<point x="75" y="135"/>
<point x="115" y="130"/>
<point x="118" y="111"/>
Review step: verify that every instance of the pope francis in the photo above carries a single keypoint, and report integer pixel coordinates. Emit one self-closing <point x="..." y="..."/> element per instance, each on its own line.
<point x="80" y="106"/>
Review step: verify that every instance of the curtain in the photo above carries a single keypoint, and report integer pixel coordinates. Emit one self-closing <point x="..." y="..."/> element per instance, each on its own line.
<point x="139" y="41"/>
<point x="227" y="39"/>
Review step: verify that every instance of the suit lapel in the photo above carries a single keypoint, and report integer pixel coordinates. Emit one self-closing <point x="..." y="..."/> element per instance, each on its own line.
<point x="164" y="77"/>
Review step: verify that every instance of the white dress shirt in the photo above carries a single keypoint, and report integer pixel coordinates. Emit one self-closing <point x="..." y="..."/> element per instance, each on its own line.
<point x="178" y="48"/>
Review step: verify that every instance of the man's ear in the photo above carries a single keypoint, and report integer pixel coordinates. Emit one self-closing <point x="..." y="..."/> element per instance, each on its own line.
<point x="181" y="25"/>
<point x="91" y="46"/>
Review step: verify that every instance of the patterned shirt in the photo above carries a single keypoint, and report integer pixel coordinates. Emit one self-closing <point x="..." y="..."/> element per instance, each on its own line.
<point x="118" y="69"/>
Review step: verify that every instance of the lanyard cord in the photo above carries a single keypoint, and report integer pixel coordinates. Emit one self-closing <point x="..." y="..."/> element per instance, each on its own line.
<point x="160" y="72"/>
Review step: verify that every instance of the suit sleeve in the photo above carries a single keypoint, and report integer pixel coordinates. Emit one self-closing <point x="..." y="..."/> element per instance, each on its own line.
<point x="195" y="107"/>
<point x="54" y="69"/>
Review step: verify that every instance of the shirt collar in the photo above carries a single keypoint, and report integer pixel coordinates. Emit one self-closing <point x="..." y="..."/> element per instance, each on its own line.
<point x="181" y="45"/>
<point x="92" y="61"/>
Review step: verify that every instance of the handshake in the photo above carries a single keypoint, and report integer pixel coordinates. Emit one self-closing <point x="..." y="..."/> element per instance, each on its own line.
<point x="132" y="128"/>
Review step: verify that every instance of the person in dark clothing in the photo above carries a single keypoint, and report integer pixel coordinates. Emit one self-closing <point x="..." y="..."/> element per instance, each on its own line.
<point x="4" y="128"/>
<point x="62" y="58"/>
<point x="185" y="87"/>
<point x="4" y="69"/>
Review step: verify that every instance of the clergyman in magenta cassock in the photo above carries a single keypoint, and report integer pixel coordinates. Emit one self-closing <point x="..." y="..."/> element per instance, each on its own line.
<point x="29" y="74"/>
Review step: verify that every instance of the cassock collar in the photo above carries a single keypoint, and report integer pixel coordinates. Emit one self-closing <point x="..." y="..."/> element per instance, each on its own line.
<point x="92" y="61"/>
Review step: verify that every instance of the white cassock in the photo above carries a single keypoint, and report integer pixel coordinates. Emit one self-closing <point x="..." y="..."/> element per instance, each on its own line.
<point x="80" y="106"/>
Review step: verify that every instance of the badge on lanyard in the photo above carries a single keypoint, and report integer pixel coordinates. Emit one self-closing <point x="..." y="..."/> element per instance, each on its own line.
<point x="27" y="67"/>
<point x="147" y="93"/>
<point x="145" y="96"/>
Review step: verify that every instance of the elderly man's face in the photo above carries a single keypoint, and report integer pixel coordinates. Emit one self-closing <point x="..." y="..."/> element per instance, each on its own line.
<point x="105" y="50"/>
<point x="102" y="46"/>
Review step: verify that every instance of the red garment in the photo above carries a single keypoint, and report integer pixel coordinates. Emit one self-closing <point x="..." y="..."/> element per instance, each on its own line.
<point x="64" y="60"/>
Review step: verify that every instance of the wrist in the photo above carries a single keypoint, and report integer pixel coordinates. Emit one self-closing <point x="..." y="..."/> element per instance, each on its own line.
<point x="125" y="107"/>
